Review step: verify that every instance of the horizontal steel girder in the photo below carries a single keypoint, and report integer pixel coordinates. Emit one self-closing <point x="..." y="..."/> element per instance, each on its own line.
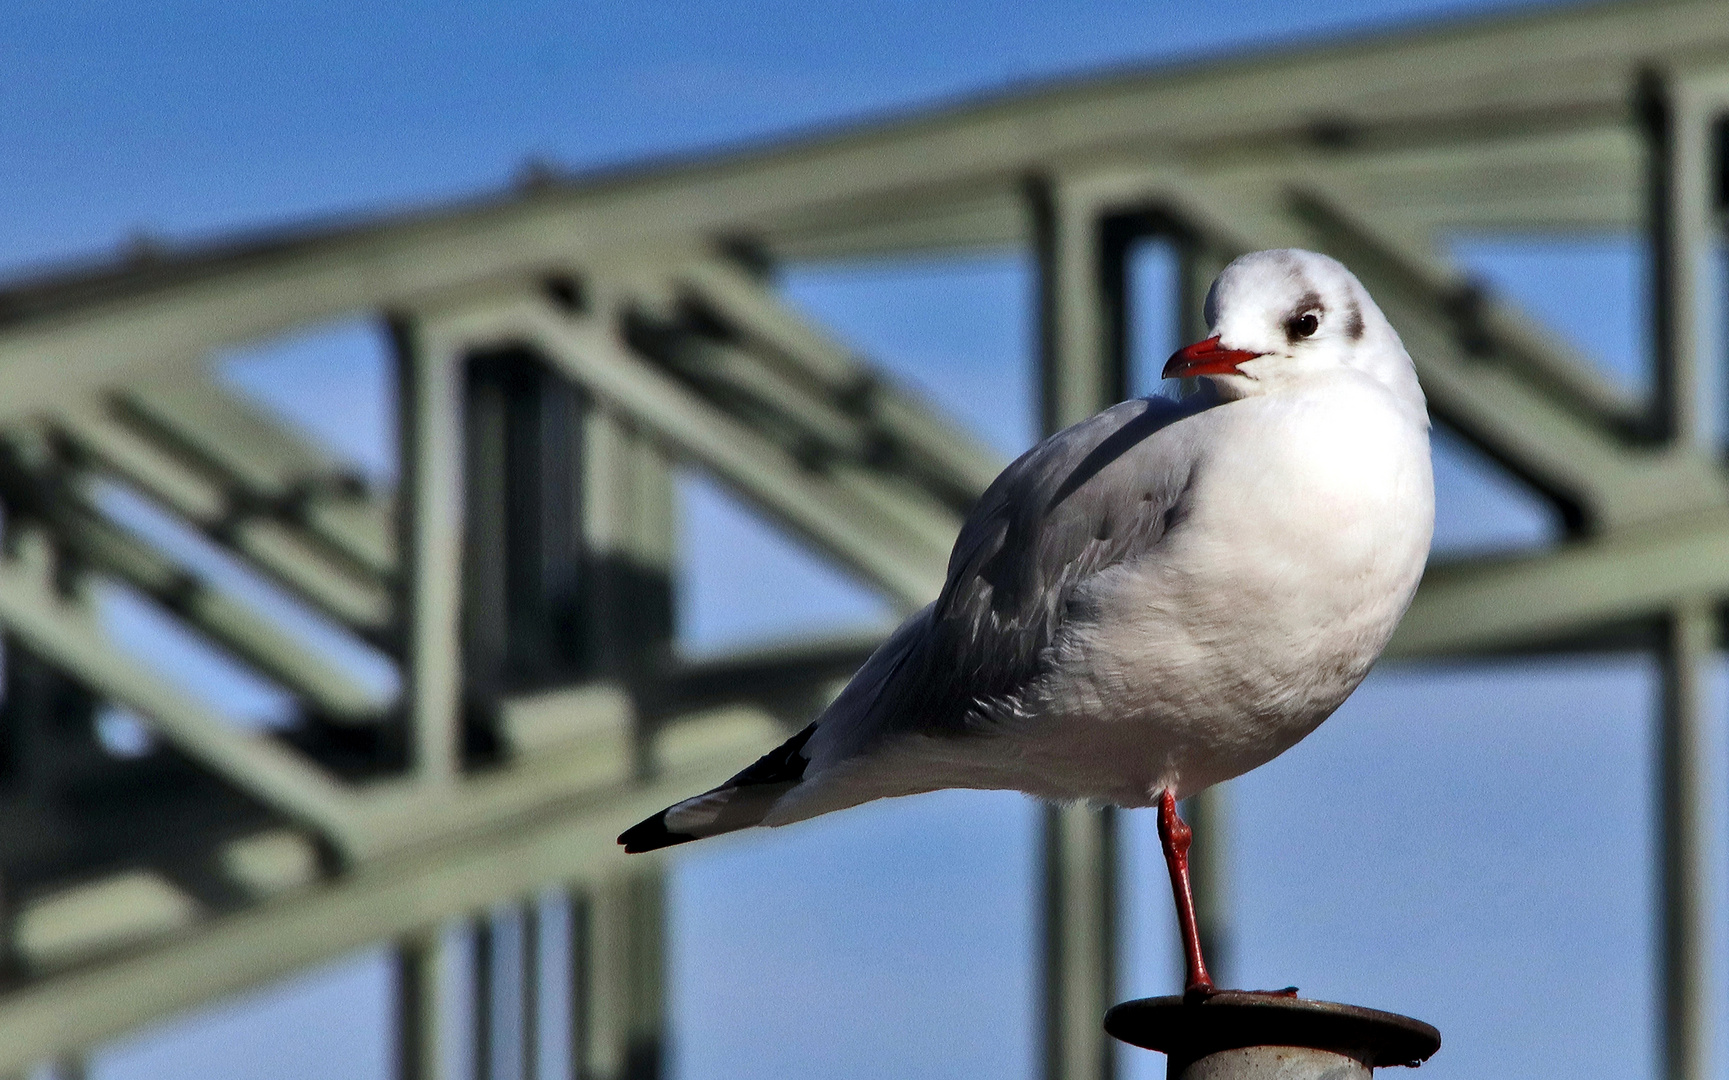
<point x="1497" y="605"/>
<point x="458" y="871"/>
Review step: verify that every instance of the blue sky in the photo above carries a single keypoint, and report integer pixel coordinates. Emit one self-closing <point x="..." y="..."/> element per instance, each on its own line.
<point x="1468" y="844"/>
<point x="189" y="117"/>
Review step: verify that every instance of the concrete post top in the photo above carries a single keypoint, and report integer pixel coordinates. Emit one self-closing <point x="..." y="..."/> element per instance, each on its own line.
<point x="1188" y="1031"/>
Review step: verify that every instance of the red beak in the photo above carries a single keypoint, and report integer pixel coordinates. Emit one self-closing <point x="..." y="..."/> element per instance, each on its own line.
<point x="1205" y="358"/>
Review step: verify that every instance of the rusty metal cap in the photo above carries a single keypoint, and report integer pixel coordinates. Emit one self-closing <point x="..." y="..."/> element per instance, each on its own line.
<point x="1234" y="1019"/>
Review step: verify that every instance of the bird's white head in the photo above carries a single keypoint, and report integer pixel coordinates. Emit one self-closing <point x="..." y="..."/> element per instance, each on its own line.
<point x="1281" y="319"/>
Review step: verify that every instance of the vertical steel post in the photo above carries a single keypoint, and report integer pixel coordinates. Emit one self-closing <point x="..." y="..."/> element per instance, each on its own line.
<point x="1078" y="376"/>
<point x="1686" y="751"/>
<point x="522" y="573"/>
<point x="429" y="374"/>
<point x="627" y="511"/>
<point x="627" y="522"/>
<point x="1082" y="368"/>
<point x="579" y="983"/>
<point x="1079" y="912"/>
<point x="421" y="1007"/>
<point x="1208" y="814"/>
<point x="529" y="970"/>
<point x="618" y="992"/>
<point x="1680" y="129"/>
<point x="1681" y="113"/>
<point x="482" y="948"/>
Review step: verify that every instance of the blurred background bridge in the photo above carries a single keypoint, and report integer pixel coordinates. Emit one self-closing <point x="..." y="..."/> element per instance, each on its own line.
<point x="479" y="665"/>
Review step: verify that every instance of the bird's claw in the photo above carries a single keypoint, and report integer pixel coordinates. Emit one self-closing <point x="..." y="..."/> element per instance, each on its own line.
<point x="1198" y="992"/>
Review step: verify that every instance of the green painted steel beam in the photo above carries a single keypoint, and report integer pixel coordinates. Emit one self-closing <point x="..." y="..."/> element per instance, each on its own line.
<point x="266" y="465"/>
<point x="434" y="413"/>
<point x="281" y="549"/>
<point x="770" y="325"/>
<point x="456" y="872"/>
<point x="1485" y="606"/>
<point x="230" y="622"/>
<point x="67" y="633"/>
<point x="903" y="554"/>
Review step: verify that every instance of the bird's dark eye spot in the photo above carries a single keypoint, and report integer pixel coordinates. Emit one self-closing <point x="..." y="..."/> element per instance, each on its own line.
<point x="1303" y="325"/>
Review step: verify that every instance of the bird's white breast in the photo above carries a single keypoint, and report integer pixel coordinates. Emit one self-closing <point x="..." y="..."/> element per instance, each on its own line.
<point x="1296" y="551"/>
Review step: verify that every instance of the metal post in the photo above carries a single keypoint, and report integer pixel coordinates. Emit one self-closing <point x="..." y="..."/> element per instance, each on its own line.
<point x="622" y="1016"/>
<point x="1080" y="372"/>
<point x="421" y="1007"/>
<point x="1685" y="754"/>
<point x="1266" y="1036"/>
<point x="530" y="972"/>
<point x="488" y="493"/>
<point x="1208" y="814"/>
<point x="1680" y="129"/>
<point x="432" y="421"/>
<point x="628" y="517"/>
<point x="523" y="565"/>
<point x="1080" y="939"/>
<point x="579" y="982"/>
<point x="1079" y="376"/>
<point x="627" y="514"/>
<point x="645" y="1046"/>
<point x="483" y="997"/>
<point x="1681" y="113"/>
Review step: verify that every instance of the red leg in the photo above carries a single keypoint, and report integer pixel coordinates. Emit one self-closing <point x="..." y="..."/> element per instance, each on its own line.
<point x="1174" y="833"/>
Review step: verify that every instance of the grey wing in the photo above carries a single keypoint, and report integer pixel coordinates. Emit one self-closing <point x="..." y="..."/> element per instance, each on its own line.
<point x="1088" y="498"/>
<point x="1097" y="494"/>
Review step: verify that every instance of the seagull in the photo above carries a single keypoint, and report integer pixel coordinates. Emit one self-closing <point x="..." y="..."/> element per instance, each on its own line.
<point x="1157" y="599"/>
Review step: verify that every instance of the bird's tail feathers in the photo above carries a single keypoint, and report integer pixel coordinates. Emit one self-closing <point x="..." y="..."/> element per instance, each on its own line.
<point x="741" y="802"/>
<point x="850" y="724"/>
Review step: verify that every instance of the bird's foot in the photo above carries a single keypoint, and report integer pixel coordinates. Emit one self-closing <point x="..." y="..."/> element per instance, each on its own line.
<point x="1195" y="993"/>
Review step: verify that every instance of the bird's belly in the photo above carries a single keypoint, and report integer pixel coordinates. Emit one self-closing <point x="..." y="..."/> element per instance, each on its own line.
<point x="1211" y="661"/>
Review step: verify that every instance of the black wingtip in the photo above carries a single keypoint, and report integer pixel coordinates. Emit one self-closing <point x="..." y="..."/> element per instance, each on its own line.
<point x="651" y="835"/>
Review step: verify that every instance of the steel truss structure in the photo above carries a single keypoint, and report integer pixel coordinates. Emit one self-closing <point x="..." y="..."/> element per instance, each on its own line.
<point x="560" y="349"/>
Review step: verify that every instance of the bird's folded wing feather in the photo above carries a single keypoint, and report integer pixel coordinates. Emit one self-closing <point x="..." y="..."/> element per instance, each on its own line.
<point x="1095" y="495"/>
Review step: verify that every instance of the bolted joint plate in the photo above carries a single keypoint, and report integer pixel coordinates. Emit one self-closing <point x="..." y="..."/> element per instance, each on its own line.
<point x="1248" y="1035"/>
